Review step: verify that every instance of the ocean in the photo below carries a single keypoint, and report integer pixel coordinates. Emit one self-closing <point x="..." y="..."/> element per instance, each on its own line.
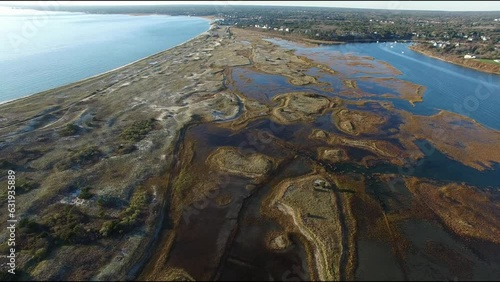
<point x="42" y="50"/>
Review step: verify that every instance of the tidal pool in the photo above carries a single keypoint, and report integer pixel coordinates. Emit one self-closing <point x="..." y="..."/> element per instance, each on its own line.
<point x="373" y="208"/>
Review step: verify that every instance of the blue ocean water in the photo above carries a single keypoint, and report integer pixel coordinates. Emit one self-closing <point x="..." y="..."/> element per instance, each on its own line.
<point x="449" y="87"/>
<point x="42" y="50"/>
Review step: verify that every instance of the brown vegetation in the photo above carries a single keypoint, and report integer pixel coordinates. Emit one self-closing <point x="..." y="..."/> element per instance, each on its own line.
<point x="468" y="211"/>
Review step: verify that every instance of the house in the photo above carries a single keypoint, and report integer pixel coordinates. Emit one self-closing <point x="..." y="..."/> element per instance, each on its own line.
<point x="468" y="56"/>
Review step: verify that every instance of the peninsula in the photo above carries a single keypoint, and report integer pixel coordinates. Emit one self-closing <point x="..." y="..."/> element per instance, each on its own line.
<point x="232" y="157"/>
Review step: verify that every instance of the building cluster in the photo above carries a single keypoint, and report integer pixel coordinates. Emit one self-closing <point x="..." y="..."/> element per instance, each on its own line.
<point x="442" y="44"/>
<point x="215" y="30"/>
<point x="473" y="38"/>
<point x="281" y="28"/>
<point x="382" y="21"/>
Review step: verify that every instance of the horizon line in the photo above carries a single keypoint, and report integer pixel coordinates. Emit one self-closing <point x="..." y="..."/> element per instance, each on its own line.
<point x="212" y="3"/>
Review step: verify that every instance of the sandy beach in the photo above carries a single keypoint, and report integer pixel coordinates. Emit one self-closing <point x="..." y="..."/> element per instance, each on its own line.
<point x="183" y="170"/>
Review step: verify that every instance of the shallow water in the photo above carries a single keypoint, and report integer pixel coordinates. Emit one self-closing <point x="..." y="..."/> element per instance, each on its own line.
<point x="378" y="256"/>
<point x="449" y="87"/>
<point x="247" y="256"/>
<point x="263" y="87"/>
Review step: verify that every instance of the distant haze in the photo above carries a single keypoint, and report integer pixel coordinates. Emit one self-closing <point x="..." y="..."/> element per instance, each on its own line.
<point x="389" y="5"/>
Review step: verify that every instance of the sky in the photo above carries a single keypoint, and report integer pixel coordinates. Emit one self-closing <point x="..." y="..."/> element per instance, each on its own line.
<point x="390" y="5"/>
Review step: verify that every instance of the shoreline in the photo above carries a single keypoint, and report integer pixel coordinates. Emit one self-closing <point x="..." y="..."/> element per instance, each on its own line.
<point x="74" y="83"/>
<point x="412" y="47"/>
<point x="324" y="42"/>
<point x="164" y="169"/>
<point x="48" y="111"/>
<point x="318" y="42"/>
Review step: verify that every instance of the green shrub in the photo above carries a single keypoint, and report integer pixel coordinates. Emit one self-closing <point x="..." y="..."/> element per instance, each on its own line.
<point x="128" y="218"/>
<point x="84" y="156"/>
<point x="125" y="149"/>
<point x="137" y="130"/>
<point x="65" y="226"/>
<point x="85" y="193"/>
<point x="107" y="228"/>
<point x="69" y="130"/>
<point x="24" y="186"/>
<point x="107" y="201"/>
<point x="29" y="226"/>
<point x="40" y="254"/>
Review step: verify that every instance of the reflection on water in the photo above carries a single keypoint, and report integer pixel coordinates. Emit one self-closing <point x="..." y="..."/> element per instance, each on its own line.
<point x="263" y="87"/>
<point x="435" y="165"/>
<point x="449" y="87"/>
<point x="246" y="256"/>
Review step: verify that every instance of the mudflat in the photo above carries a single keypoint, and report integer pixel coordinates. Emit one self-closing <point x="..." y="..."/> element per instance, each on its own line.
<point x="225" y="158"/>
